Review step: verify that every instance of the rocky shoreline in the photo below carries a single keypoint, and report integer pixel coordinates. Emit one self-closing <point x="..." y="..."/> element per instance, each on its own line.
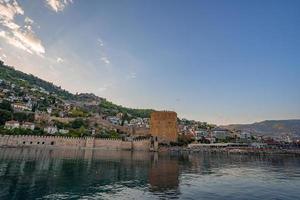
<point x="245" y="151"/>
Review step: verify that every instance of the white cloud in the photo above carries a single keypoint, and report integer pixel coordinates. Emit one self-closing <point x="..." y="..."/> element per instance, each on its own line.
<point x="21" y="37"/>
<point x="104" y="88"/>
<point x="29" y="40"/>
<point x="27" y="20"/>
<point x="13" y="41"/>
<point x="59" y="60"/>
<point x="100" y="42"/>
<point x="9" y="24"/>
<point x="58" y="5"/>
<point x="132" y="75"/>
<point x="28" y="23"/>
<point x="8" y="9"/>
<point x="105" y="60"/>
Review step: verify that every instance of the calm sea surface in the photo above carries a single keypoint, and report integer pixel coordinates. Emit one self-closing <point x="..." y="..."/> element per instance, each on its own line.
<point x="86" y="174"/>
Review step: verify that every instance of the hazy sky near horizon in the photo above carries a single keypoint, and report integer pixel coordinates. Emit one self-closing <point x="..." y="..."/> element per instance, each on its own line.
<point x="217" y="61"/>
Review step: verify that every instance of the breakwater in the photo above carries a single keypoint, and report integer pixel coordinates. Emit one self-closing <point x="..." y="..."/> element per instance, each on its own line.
<point x="73" y="142"/>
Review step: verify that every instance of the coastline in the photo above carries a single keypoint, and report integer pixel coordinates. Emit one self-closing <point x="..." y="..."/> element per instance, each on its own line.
<point x="244" y="151"/>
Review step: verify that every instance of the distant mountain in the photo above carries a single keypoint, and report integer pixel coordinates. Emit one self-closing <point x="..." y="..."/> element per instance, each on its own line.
<point x="270" y="127"/>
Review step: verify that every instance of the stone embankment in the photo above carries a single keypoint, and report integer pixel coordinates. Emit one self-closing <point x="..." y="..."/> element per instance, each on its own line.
<point x="237" y="150"/>
<point x="73" y="142"/>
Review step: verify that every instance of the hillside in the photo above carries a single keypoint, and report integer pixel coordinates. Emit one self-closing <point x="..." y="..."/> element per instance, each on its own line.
<point x="22" y="79"/>
<point x="110" y="108"/>
<point x="270" y="127"/>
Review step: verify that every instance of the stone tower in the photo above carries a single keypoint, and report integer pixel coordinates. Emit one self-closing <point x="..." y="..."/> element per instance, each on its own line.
<point x="163" y="125"/>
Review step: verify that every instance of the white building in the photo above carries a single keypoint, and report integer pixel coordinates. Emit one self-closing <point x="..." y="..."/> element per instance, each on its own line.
<point x="12" y="124"/>
<point x="258" y="145"/>
<point x="286" y="139"/>
<point x="20" y="107"/>
<point x="114" y="120"/>
<point x="245" y="135"/>
<point x="201" y="133"/>
<point x="49" y="110"/>
<point x="140" y="122"/>
<point x="63" y="131"/>
<point x="28" y="125"/>
<point x="51" y="129"/>
<point x="220" y="133"/>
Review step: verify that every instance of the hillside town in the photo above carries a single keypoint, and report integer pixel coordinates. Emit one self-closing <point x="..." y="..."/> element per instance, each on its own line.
<point x="32" y="110"/>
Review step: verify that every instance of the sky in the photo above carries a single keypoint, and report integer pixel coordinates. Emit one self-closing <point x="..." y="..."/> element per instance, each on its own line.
<point x="222" y="62"/>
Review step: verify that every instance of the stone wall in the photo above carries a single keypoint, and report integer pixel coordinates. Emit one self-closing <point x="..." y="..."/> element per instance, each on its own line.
<point x="141" y="145"/>
<point x="72" y="142"/>
<point x="163" y="125"/>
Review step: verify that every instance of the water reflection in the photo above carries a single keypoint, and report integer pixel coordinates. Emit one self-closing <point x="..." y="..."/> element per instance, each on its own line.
<point x="90" y="174"/>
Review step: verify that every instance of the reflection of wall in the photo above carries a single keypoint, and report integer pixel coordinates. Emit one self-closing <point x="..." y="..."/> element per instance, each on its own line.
<point x="86" y="154"/>
<point x="163" y="175"/>
<point x="38" y="173"/>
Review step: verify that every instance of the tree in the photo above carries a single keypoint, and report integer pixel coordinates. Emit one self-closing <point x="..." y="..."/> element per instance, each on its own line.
<point x="5" y="105"/>
<point x="184" y="140"/>
<point x="77" y="123"/>
<point x="82" y="131"/>
<point x="23" y="117"/>
<point x="4" y="116"/>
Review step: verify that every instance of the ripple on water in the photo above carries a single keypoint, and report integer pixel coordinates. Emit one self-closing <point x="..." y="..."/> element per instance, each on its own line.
<point x="72" y="174"/>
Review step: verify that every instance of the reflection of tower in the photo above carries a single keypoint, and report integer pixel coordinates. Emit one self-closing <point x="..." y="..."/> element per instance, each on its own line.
<point x="164" y="174"/>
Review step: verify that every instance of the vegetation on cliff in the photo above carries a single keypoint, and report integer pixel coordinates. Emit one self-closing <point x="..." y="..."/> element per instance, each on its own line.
<point x="8" y="73"/>
<point x="110" y="108"/>
<point x="22" y="79"/>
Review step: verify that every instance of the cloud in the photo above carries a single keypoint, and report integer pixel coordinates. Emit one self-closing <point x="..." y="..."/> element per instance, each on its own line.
<point x="103" y="88"/>
<point x="9" y="9"/>
<point x="105" y="60"/>
<point x="13" y="41"/>
<point x="28" y="20"/>
<point x="9" y="24"/>
<point x="58" y="5"/>
<point x="29" y="40"/>
<point x="59" y="60"/>
<point x="28" y="23"/>
<point x="7" y="13"/>
<point x="21" y="37"/>
<point x="132" y="75"/>
<point x="100" y="42"/>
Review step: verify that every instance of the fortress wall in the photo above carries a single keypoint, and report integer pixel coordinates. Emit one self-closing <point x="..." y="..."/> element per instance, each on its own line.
<point x="141" y="145"/>
<point x="114" y="144"/>
<point x="28" y="140"/>
<point x="72" y="142"/>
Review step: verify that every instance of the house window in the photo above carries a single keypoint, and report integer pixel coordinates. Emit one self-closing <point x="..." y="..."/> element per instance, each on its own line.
<point x="31" y="142"/>
<point x="38" y="142"/>
<point x="52" y="143"/>
<point x="24" y="142"/>
<point x="43" y="142"/>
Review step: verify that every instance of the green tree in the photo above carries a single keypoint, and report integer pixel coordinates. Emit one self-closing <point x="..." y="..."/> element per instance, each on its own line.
<point x="23" y="117"/>
<point x="77" y="123"/>
<point x="5" y="105"/>
<point x="4" y="116"/>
